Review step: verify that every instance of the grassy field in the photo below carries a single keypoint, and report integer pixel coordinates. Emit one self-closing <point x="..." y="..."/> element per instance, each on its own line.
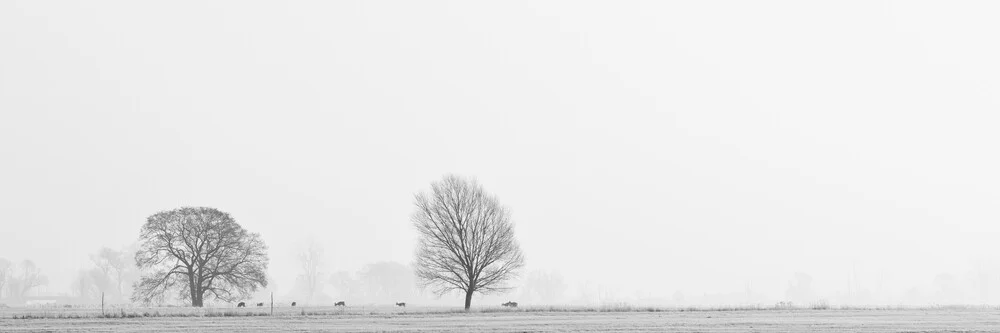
<point x="388" y="319"/>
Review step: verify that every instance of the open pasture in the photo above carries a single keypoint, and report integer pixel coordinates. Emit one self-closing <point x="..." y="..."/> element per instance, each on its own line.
<point x="390" y="319"/>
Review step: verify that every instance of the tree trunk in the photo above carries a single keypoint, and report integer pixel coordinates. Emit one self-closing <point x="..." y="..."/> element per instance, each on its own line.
<point x="194" y="289"/>
<point x="468" y="299"/>
<point x="195" y="298"/>
<point x="194" y="295"/>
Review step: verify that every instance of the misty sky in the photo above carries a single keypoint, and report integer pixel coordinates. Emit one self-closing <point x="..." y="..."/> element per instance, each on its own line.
<point x="647" y="146"/>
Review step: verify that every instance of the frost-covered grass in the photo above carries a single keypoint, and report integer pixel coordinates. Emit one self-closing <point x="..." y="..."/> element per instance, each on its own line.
<point x="528" y="319"/>
<point x="615" y="317"/>
<point x="131" y="312"/>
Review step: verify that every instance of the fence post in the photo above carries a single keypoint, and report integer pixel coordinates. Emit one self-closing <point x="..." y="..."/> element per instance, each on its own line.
<point x="272" y="303"/>
<point x="102" y="303"/>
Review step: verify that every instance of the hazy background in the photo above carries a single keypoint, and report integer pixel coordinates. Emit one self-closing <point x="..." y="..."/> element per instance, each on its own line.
<point x="650" y="151"/>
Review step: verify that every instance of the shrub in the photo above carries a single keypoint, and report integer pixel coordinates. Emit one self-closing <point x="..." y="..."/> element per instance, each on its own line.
<point x="821" y="305"/>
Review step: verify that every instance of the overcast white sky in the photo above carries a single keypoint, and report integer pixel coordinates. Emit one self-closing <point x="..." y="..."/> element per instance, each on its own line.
<point x="652" y="146"/>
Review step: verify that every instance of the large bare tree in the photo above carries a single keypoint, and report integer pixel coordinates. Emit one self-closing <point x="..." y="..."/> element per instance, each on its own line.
<point x="466" y="240"/>
<point x="198" y="252"/>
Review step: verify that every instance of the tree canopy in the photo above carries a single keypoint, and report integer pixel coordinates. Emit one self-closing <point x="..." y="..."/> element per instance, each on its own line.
<point x="466" y="239"/>
<point x="198" y="253"/>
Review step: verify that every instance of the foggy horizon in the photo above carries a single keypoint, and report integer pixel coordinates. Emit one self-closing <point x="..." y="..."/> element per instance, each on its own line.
<point x="645" y="150"/>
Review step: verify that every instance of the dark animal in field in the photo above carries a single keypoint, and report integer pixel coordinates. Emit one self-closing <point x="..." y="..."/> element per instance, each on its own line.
<point x="260" y="304"/>
<point x="402" y="304"/>
<point x="510" y="304"/>
<point x="241" y="305"/>
<point x="293" y="303"/>
<point x="341" y="303"/>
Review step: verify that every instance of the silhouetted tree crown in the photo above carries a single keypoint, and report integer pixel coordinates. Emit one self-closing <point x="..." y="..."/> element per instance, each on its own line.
<point x="466" y="239"/>
<point x="198" y="252"/>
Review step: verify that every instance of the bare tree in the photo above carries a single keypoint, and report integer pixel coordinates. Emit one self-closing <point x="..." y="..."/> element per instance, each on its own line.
<point x="312" y="265"/>
<point x="29" y="277"/>
<point x="90" y="283"/>
<point x="466" y="240"/>
<point x="5" y="274"/>
<point x="114" y="264"/>
<point x="198" y="252"/>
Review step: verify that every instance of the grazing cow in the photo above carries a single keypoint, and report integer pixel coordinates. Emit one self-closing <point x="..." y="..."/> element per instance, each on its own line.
<point x="260" y="304"/>
<point x="402" y="304"/>
<point x="293" y="303"/>
<point x="510" y="304"/>
<point x="341" y="303"/>
<point x="241" y="305"/>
